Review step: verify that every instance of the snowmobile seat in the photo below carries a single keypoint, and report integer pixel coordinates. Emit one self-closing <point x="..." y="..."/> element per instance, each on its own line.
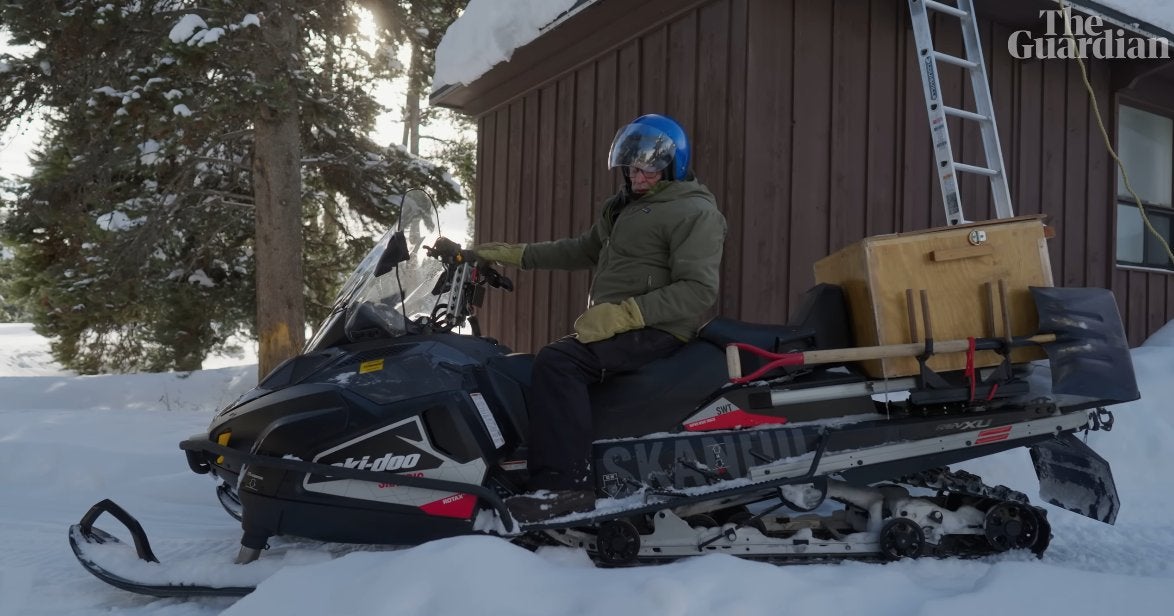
<point x="775" y="338"/>
<point x="820" y="322"/>
<point x="824" y="309"/>
<point x="660" y="395"/>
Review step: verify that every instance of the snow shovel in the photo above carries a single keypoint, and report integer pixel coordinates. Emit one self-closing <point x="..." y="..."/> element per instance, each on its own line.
<point x="1080" y="330"/>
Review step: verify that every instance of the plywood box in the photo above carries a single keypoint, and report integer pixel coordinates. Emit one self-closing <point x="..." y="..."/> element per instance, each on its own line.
<point x="959" y="268"/>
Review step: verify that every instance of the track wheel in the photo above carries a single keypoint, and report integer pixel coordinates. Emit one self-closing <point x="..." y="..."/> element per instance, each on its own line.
<point x="618" y="541"/>
<point x="1015" y="526"/>
<point x="700" y="520"/>
<point x="745" y="518"/>
<point x="901" y="538"/>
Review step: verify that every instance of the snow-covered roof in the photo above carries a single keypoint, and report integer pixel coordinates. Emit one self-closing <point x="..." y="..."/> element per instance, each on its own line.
<point x="1152" y="17"/>
<point x="489" y="31"/>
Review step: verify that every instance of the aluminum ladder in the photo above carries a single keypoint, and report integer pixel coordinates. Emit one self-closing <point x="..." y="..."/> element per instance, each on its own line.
<point x="928" y="59"/>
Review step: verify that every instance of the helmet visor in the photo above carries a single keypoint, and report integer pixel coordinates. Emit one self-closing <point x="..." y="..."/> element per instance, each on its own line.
<point x="642" y="147"/>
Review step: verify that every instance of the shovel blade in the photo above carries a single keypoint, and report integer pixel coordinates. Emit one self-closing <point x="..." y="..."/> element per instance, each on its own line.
<point x="1090" y="356"/>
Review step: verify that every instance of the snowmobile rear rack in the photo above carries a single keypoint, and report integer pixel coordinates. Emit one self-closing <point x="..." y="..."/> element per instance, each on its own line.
<point x="200" y="444"/>
<point x="1079" y="328"/>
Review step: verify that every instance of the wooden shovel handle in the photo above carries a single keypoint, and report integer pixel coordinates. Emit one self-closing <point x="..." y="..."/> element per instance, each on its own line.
<point x="733" y="362"/>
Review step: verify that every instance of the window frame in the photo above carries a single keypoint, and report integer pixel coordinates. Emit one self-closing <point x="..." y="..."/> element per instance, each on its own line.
<point x="1122" y="198"/>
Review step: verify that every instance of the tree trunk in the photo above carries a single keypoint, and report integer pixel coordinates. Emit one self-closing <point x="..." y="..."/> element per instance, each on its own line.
<point x="277" y="190"/>
<point x="412" y="111"/>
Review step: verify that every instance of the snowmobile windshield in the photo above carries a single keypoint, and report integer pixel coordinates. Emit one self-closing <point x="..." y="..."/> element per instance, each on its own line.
<point x="387" y="304"/>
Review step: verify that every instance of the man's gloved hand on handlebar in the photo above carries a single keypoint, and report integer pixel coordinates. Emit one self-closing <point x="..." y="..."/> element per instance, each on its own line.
<point x="501" y="252"/>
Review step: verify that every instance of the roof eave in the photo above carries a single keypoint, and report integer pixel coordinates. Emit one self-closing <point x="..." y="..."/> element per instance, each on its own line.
<point x="460" y="97"/>
<point x="1123" y="20"/>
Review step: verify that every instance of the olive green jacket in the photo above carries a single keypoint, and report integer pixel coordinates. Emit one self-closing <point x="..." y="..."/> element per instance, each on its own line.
<point x="663" y="249"/>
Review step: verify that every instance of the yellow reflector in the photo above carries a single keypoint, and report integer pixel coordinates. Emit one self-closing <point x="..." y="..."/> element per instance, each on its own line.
<point x="223" y="440"/>
<point x="374" y="365"/>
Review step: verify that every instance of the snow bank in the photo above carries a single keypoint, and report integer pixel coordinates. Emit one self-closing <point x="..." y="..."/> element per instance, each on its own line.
<point x="25" y="353"/>
<point x="495" y="577"/>
<point x="31" y="379"/>
<point x="204" y="390"/>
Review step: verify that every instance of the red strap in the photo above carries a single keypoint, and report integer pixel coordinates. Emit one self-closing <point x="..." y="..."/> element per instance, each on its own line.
<point x="970" y="365"/>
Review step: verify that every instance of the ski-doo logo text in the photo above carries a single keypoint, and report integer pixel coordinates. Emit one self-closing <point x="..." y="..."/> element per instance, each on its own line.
<point x="965" y="425"/>
<point x="388" y="462"/>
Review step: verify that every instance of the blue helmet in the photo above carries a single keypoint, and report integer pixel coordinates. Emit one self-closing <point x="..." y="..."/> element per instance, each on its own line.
<point x="652" y="143"/>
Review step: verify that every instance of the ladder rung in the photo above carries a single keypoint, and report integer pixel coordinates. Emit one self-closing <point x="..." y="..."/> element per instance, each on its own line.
<point x="945" y="8"/>
<point x="966" y="115"/>
<point x="972" y="169"/>
<point x="956" y="61"/>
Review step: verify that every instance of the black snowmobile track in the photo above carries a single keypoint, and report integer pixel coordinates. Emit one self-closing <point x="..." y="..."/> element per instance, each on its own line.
<point x="831" y="443"/>
<point x="959" y="487"/>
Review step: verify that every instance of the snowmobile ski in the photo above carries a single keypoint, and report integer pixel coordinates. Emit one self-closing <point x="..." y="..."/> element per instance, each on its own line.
<point x="101" y="553"/>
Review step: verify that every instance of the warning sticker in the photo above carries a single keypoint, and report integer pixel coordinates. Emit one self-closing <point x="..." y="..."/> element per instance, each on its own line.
<point x="487" y="417"/>
<point x="375" y="365"/>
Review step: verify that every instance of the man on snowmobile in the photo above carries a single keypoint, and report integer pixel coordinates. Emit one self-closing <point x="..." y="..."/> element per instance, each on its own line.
<point x="656" y="252"/>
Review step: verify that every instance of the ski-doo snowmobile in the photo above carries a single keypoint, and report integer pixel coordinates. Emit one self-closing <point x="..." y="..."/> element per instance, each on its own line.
<point x="394" y="427"/>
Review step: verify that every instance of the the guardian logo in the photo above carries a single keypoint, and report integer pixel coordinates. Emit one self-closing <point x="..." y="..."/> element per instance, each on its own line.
<point x="1089" y="39"/>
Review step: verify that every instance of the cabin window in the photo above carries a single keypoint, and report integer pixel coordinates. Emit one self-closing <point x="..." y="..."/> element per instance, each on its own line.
<point x="1146" y="147"/>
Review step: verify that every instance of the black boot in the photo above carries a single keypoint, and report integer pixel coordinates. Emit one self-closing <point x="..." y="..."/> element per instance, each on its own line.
<point x="548" y="504"/>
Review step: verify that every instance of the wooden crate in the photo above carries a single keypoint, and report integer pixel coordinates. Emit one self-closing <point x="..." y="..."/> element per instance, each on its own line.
<point x="960" y="270"/>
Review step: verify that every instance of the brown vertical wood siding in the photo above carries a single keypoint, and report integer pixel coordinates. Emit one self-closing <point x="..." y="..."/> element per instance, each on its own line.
<point x="809" y="125"/>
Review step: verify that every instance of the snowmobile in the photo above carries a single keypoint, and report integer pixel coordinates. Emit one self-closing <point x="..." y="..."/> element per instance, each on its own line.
<point x="401" y="424"/>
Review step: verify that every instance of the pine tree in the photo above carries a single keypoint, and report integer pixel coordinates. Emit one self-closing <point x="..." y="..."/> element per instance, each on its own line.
<point x="419" y="25"/>
<point x="134" y="238"/>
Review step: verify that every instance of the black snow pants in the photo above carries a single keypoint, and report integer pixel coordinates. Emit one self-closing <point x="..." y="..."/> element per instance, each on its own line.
<point x="560" y="410"/>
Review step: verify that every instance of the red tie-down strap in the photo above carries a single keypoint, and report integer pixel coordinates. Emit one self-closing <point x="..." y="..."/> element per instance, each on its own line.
<point x="778" y="360"/>
<point x="970" y="365"/>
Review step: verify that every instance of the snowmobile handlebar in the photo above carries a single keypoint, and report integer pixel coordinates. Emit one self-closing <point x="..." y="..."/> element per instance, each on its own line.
<point x="451" y="255"/>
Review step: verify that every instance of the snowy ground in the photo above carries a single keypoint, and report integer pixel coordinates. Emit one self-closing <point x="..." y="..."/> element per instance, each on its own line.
<point x="67" y="442"/>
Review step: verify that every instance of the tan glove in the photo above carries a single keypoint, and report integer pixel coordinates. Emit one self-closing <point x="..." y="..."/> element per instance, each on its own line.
<point x="507" y="254"/>
<point x="602" y="321"/>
